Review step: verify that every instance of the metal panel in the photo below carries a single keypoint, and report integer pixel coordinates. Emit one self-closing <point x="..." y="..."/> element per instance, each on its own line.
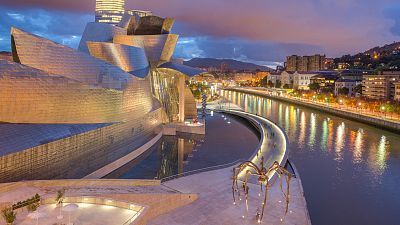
<point x="57" y="59"/>
<point x="130" y="59"/>
<point x="159" y="48"/>
<point x="187" y="70"/>
<point x="99" y="32"/>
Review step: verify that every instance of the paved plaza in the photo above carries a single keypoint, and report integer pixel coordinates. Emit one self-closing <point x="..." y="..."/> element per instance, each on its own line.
<point x="215" y="204"/>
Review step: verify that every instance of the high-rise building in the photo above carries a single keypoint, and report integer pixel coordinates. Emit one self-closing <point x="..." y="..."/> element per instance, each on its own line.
<point x="397" y="92"/>
<point x="305" y="63"/>
<point x="109" y="11"/>
<point x="380" y="86"/>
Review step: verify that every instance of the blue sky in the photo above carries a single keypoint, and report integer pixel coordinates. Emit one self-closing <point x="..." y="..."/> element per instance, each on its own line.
<point x="252" y="30"/>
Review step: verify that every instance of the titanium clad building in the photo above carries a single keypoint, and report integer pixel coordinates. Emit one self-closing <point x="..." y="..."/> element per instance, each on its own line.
<point x="65" y="113"/>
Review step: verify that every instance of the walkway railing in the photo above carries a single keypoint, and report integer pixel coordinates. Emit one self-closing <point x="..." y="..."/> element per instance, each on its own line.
<point x="206" y="169"/>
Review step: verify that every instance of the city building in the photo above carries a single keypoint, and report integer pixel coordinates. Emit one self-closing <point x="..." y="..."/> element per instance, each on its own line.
<point x="287" y="79"/>
<point x="325" y="79"/>
<point x="302" y="80"/>
<point x="105" y="99"/>
<point x="109" y="11"/>
<point x="397" y="91"/>
<point x="380" y="86"/>
<point x="274" y="77"/>
<point x="305" y="63"/>
<point x="329" y="64"/>
<point x="354" y="74"/>
<point x="244" y="77"/>
<point x="346" y="83"/>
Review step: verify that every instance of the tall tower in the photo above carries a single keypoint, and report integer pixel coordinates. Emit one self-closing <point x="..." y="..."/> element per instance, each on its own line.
<point x="109" y="11"/>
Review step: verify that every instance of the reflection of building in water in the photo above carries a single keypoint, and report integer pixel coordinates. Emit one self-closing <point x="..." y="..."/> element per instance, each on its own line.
<point x="67" y="112"/>
<point x="168" y="157"/>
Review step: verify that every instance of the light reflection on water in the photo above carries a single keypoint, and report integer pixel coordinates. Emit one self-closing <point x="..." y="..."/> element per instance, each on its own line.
<point x="348" y="169"/>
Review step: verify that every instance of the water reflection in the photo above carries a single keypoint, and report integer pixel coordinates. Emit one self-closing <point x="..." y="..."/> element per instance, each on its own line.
<point x="296" y="122"/>
<point x="227" y="140"/>
<point x="340" y="161"/>
<point x="313" y="128"/>
<point x="358" y="146"/>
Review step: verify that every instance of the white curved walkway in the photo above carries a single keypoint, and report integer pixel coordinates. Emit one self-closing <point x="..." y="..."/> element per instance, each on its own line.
<point x="215" y="204"/>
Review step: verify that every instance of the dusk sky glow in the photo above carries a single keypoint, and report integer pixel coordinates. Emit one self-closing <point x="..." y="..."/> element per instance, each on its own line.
<point x="260" y="31"/>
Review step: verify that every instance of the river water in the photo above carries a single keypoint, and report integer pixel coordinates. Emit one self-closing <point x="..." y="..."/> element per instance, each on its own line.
<point x="350" y="171"/>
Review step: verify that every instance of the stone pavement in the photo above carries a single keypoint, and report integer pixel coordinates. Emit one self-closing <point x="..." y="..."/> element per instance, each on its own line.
<point x="215" y="204"/>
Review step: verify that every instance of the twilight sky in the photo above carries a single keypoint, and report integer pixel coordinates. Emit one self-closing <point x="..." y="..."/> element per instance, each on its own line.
<point x="261" y="31"/>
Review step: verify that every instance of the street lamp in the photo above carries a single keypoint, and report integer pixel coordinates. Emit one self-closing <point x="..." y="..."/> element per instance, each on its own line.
<point x="359" y="105"/>
<point x="383" y="108"/>
<point x="327" y="101"/>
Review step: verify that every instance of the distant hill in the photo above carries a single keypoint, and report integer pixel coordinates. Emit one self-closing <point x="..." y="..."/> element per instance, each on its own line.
<point x="378" y="58"/>
<point x="229" y="64"/>
<point x="386" y="49"/>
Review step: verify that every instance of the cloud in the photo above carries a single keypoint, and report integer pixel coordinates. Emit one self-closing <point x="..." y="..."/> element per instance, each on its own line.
<point x="392" y="12"/>
<point x="254" y="29"/>
<point x="59" y="26"/>
<point x="263" y="51"/>
<point x="338" y="26"/>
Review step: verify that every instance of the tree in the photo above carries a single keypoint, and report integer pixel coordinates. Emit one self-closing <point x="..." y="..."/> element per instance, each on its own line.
<point x="343" y="91"/>
<point x="286" y="86"/>
<point x="327" y="90"/>
<point x="358" y="89"/>
<point x="314" y="86"/>
<point x="264" y="81"/>
<point x="270" y="84"/>
<point x="278" y="84"/>
<point x="9" y="215"/>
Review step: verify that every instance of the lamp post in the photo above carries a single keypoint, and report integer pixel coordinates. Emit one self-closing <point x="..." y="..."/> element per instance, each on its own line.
<point x="359" y="105"/>
<point x="327" y="101"/>
<point x="383" y="108"/>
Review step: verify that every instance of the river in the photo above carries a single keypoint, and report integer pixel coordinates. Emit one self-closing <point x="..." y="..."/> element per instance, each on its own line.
<point x="350" y="171"/>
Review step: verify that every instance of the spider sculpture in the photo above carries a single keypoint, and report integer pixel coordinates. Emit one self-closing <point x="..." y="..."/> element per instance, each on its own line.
<point x="248" y="169"/>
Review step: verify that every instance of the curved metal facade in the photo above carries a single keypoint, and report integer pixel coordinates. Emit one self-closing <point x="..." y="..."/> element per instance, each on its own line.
<point x="128" y="58"/>
<point x="153" y="25"/>
<point x="159" y="48"/>
<point x="57" y="59"/>
<point x="99" y="32"/>
<point x="95" y="103"/>
<point x="31" y="96"/>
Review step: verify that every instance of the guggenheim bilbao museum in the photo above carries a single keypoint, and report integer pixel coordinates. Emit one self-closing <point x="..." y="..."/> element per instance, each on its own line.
<point x="62" y="107"/>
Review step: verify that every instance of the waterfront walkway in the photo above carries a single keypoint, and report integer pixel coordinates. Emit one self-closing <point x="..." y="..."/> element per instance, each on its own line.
<point x="365" y="116"/>
<point x="215" y="203"/>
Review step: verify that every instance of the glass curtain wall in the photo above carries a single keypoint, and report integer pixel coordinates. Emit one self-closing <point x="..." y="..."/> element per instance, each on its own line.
<point x="165" y="89"/>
